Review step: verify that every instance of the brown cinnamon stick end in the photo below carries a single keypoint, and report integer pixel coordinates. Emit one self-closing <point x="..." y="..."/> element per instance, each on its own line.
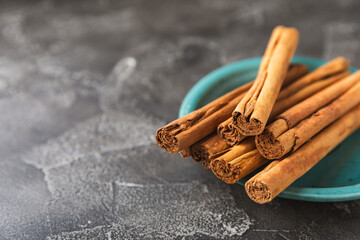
<point x="229" y="133"/>
<point x="198" y="153"/>
<point x="268" y="146"/>
<point x="207" y="163"/>
<point x="247" y="127"/>
<point x="258" y="191"/>
<point x="225" y="171"/>
<point x="185" y="153"/>
<point x="235" y="176"/>
<point x="219" y="167"/>
<point x="222" y="130"/>
<point x="166" y="140"/>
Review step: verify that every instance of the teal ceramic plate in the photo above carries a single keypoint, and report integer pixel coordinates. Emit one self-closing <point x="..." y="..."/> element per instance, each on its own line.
<point x="334" y="178"/>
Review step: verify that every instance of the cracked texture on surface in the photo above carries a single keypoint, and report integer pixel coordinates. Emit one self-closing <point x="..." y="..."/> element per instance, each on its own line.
<point x="85" y="85"/>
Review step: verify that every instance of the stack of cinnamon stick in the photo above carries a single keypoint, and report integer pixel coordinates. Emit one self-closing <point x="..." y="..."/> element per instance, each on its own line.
<point x="271" y="120"/>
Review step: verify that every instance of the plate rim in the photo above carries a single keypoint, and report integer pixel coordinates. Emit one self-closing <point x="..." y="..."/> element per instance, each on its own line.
<point x="326" y="194"/>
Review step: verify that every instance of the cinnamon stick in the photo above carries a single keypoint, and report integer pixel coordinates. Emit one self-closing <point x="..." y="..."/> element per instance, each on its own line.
<point x="206" y="149"/>
<point x="186" y="131"/>
<point x="232" y="135"/>
<point x="232" y="153"/>
<point x="229" y="133"/>
<point x="332" y="67"/>
<point x="185" y="153"/>
<point x="237" y="163"/>
<point x="277" y="176"/>
<point x="282" y="105"/>
<point x="252" y="112"/>
<point x="282" y="136"/>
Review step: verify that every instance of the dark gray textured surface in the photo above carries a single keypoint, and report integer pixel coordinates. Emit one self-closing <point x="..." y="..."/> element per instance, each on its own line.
<point x="85" y="84"/>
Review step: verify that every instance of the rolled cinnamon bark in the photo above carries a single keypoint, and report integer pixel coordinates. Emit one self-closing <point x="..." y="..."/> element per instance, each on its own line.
<point x="229" y="133"/>
<point x="278" y="175"/>
<point x="186" y="131"/>
<point x="234" y="165"/>
<point x="252" y="112"/>
<point x="185" y="153"/>
<point x="207" y="163"/>
<point x="206" y="149"/>
<point x="332" y="67"/>
<point x="281" y="137"/>
<point x="234" y="152"/>
<point x="282" y="105"/>
<point x="232" y="135"/>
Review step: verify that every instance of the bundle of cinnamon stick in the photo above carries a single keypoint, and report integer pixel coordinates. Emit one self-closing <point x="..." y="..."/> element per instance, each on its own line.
<point x="271" y="120"/>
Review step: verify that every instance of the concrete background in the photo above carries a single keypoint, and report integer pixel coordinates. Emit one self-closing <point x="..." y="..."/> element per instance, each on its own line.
<point x="85" y="84"/>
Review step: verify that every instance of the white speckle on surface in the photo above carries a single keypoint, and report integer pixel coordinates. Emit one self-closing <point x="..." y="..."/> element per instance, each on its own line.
<point x="123" y="69"/>
<point x="343" y="207"/>
<point x="147" y="208"/>
<point x="108" y="132"/>
<point x="83" y="225"/>
<point x="125" y="184"/>
<point x="108" y="235"/>
<point x="283" y="236"/>
<point x="111" y="88"/>
<point x="234" y="230"/>
<point x="205" y="189"/>
<point x="270" y="230"/>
